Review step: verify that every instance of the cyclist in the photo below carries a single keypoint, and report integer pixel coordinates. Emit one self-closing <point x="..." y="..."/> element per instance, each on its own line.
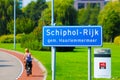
<point x="28" y="59"/>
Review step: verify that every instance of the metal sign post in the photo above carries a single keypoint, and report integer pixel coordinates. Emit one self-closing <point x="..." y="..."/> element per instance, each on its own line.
<point x="53" y="54"/>
<point x="53" y="62"/>
<point x="89" y="64"/>
<point x="14" y="24"/>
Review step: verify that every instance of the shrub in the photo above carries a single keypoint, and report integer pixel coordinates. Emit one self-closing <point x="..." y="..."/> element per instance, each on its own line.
<point x="64" y="49"/>
<point x="30" y="41"/>
<point x="33" y="42"/>
<point x="10" y="38"/>
<point x="117" y="40"/>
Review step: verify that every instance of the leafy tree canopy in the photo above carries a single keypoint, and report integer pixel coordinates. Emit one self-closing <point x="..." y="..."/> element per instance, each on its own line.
<point x="6" y="14"/>
<point x="88" y="16"/>
<point x="109" y="18"/>
<point x="34" y="10"/>
<point x="65" y="14"/>
<point x="23" y="25"/>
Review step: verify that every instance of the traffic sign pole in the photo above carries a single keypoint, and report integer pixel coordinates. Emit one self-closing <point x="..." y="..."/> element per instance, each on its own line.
<point x="53" y="62"/>
<point x="14" y="24"/>
<point x="89" y="64"/>
<point x="53" y="56"/>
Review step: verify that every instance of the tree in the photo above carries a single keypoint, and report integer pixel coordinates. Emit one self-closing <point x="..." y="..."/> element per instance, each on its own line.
<point x="83" y="16"/>
<point x="65" y="14"/>
<point x="88" y="16"/>
<point x="6" y="14"/>
<point x="23" y="25"/>
<point x="94" y="16"/>
<point x="34" y="10"/>
<point x="109" y="18"/>
<point x="45" y="18"/>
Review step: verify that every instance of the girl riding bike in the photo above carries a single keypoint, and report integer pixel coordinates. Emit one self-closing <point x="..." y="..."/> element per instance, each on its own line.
<point x="28" y="61"/>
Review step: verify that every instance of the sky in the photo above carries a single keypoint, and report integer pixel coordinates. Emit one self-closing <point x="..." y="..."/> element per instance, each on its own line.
<point x="25" y="2"/>
<point x="47" y="0"/>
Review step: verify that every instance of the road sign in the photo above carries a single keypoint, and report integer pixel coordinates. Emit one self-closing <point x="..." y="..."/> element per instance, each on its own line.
<point x="72" y="36"/>
<point x="102" y="63"/>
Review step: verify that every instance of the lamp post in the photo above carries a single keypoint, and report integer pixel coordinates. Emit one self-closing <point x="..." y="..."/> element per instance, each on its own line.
<point x="53" y="48"/>
<point x="14" y="24"/>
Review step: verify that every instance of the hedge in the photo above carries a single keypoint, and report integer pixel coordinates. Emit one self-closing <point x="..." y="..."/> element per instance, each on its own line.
<point x="10" y="38"/>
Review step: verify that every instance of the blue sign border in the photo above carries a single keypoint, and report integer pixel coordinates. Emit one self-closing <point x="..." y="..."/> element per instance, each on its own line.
<point x="67" y="27"/>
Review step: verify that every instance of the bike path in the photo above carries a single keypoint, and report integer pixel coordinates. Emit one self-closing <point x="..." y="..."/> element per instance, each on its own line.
<point x="38" y="71"/>
<point x="10" y="67"/>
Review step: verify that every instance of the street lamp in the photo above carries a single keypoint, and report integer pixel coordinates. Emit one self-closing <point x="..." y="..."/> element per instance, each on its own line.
<point x="14" y="24"/>
<point x="53" y="48"/>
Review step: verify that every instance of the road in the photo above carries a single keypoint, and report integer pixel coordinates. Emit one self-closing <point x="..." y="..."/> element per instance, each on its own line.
<point x="10" y="67"/>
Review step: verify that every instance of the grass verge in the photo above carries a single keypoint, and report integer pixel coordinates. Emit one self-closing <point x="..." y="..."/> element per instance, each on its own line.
<point x="73" y="65"/>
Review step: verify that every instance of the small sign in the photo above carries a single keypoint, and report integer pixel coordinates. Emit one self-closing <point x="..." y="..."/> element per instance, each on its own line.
<point x="72" y="36"/>
<point x="102" y="63"/>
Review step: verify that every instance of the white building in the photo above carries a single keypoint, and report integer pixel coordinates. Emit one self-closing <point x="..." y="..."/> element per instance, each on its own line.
<point x="78" y="4"/>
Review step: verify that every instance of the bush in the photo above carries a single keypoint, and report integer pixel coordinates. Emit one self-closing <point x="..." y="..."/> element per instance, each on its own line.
<point x="10" y="38"/>
<point x="30" y="41"/>
<point x="117" y="40"/>
<point x="64" y="49"/>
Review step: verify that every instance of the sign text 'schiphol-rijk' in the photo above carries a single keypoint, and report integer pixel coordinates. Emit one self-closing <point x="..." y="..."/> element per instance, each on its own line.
<point x="72" y="36"/>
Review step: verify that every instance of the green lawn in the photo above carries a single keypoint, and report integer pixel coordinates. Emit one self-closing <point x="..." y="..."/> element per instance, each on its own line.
<point x="73" y="65"/>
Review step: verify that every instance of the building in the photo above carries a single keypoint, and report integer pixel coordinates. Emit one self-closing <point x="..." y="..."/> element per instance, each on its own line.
<point x="23" y="3"/>
<point x="78" y="4"/>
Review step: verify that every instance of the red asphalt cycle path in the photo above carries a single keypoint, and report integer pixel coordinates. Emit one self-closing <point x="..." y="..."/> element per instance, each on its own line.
<point x="37" y="72"/>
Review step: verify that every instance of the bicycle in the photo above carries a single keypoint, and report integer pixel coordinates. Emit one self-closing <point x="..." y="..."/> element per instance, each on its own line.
<point x="28" y="68"/>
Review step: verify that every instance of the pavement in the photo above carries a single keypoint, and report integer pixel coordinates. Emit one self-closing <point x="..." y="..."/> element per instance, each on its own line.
<point x="9" y="64"/>
<point x="12" y="67"/>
